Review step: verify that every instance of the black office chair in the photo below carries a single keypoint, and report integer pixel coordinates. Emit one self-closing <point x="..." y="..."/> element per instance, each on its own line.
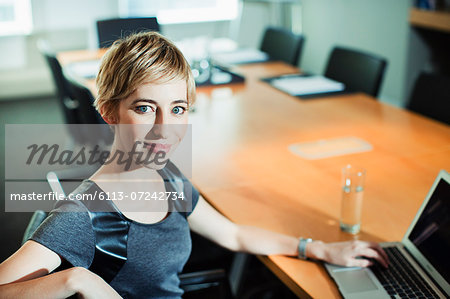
<point x="86" y="111"/>
<point x="76" y="104"/>
<point x="431" y="97"/>
<point x="359" y="71"/>
<point x="68" y="105"/>
<point x="75" y="100"/>
<point x="87" y="114"/>
<point x="112" y="29"/>
<point x="282" y="44"/>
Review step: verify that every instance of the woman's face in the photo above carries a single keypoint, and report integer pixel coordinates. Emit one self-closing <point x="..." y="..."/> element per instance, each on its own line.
<point x="153" y="120"/>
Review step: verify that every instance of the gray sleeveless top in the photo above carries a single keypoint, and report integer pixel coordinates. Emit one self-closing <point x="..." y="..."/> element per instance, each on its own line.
<point x="138" y="260"/>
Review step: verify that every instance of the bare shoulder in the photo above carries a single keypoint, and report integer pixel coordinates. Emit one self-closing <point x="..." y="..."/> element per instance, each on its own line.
<point x="30" y="261"/>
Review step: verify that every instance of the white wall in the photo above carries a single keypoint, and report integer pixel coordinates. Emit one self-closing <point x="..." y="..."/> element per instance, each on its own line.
<point x="380" y="27"/>
<point x="66" y="25"/>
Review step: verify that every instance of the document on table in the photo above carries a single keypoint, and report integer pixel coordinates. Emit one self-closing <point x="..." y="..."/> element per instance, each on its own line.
<point x="85" y="69"/>
<point x="332" y="147"/>
<point x="299" y="85"/>
<point x="240" y="56"/>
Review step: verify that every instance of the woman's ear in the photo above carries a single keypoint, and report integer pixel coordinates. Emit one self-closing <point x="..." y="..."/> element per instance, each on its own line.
<point x="109" y="119"/>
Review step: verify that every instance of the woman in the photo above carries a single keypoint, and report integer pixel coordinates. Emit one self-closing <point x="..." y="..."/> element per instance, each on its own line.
<point x="136" y="248"/>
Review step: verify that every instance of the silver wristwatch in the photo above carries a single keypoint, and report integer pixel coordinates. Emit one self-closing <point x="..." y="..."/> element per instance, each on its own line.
<point x="302" y="248"/>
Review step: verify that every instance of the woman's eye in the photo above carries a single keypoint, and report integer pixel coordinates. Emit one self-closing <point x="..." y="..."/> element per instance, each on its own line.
<point x="143" y="109"/>
<point x="178" y="110"/>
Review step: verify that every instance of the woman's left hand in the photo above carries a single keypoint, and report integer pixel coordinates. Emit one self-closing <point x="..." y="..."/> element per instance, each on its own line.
<point x="349" y="254"/>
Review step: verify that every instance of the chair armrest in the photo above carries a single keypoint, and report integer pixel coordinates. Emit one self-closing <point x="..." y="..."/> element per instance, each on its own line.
<point x="200" y="277"/>
<point x="206" y="284"/>
<point x="36" y="220"/>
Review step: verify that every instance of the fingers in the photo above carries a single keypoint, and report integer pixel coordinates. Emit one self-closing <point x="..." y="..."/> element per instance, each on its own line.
<point x="356" y="254"/>
<point x="374" y="254"/>
<point x="359" y="263"/>
<point x="381" y="252"/>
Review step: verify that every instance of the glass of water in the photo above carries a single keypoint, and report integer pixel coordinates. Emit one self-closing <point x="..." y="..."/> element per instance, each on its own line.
<point x="352" y="197"/>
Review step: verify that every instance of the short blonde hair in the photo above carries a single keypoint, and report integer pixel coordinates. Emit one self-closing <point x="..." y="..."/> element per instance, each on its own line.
<point x="139" y="59"/>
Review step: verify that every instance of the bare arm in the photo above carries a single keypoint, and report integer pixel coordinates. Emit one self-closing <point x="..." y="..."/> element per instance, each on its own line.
<point x="24" y="275"/>
<point x="206" y="221"/>
<point x="55" y="285"/>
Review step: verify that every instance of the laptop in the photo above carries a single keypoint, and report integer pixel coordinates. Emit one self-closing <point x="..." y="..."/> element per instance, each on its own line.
<point x="419" y="264"/>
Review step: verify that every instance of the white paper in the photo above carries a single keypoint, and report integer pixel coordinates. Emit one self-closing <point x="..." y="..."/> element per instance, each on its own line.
<point x="333" y="147"/>
<point x="303" y="85"/>
<point x="241" y="56"/>
<point x="85" y="69"/>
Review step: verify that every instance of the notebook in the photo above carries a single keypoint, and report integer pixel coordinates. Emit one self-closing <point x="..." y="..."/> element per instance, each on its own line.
<point x="419" y="264"/>
<point x="306" y="86"/>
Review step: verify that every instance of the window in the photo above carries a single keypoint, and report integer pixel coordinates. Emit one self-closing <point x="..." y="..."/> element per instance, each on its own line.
<point x="181" y="11"/>
<point x="15" y="17"/>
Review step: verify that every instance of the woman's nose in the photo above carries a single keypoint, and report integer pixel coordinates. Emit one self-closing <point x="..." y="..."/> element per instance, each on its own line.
<point x="161" y="124"/>
<point x="161" y="117"/>
<point x="160" y="131"/>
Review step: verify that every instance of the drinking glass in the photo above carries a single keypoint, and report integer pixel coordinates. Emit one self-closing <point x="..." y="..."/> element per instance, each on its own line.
<point x="353" y="178"/>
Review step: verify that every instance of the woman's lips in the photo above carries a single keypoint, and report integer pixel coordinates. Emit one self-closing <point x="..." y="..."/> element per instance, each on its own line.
<point x="157" y="147"/>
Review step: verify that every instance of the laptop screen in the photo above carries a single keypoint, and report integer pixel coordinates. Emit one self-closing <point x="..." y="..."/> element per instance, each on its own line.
<point x="431" y="234"/>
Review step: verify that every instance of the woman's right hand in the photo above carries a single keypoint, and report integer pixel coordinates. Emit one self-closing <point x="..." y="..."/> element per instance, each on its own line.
<point x="350" y="254"/>
<point x="89" y="285"/>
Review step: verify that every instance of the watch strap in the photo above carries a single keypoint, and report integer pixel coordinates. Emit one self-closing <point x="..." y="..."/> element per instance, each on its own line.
<point x="302" y="248"/>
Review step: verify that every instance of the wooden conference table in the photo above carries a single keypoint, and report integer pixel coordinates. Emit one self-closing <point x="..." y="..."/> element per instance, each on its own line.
<point x="243" y="167"/>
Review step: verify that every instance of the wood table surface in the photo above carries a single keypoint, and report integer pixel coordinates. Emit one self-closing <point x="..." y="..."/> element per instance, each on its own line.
<point x="243" y="167"/>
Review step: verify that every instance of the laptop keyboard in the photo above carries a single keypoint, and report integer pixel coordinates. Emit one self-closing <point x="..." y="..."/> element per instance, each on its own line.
<point x="401" y="279"/>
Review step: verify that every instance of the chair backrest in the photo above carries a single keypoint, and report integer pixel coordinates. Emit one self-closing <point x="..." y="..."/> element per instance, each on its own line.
<point x="282" y="44"/>
<point x="68" y="105"/>
<point x="86" y="111"/>
<point x="357" y="70"/>
<point x="112" y="29"/>
<point x="87" y="114"/>
<point x="76" y="102"/>
<point x="431" y="97"/>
